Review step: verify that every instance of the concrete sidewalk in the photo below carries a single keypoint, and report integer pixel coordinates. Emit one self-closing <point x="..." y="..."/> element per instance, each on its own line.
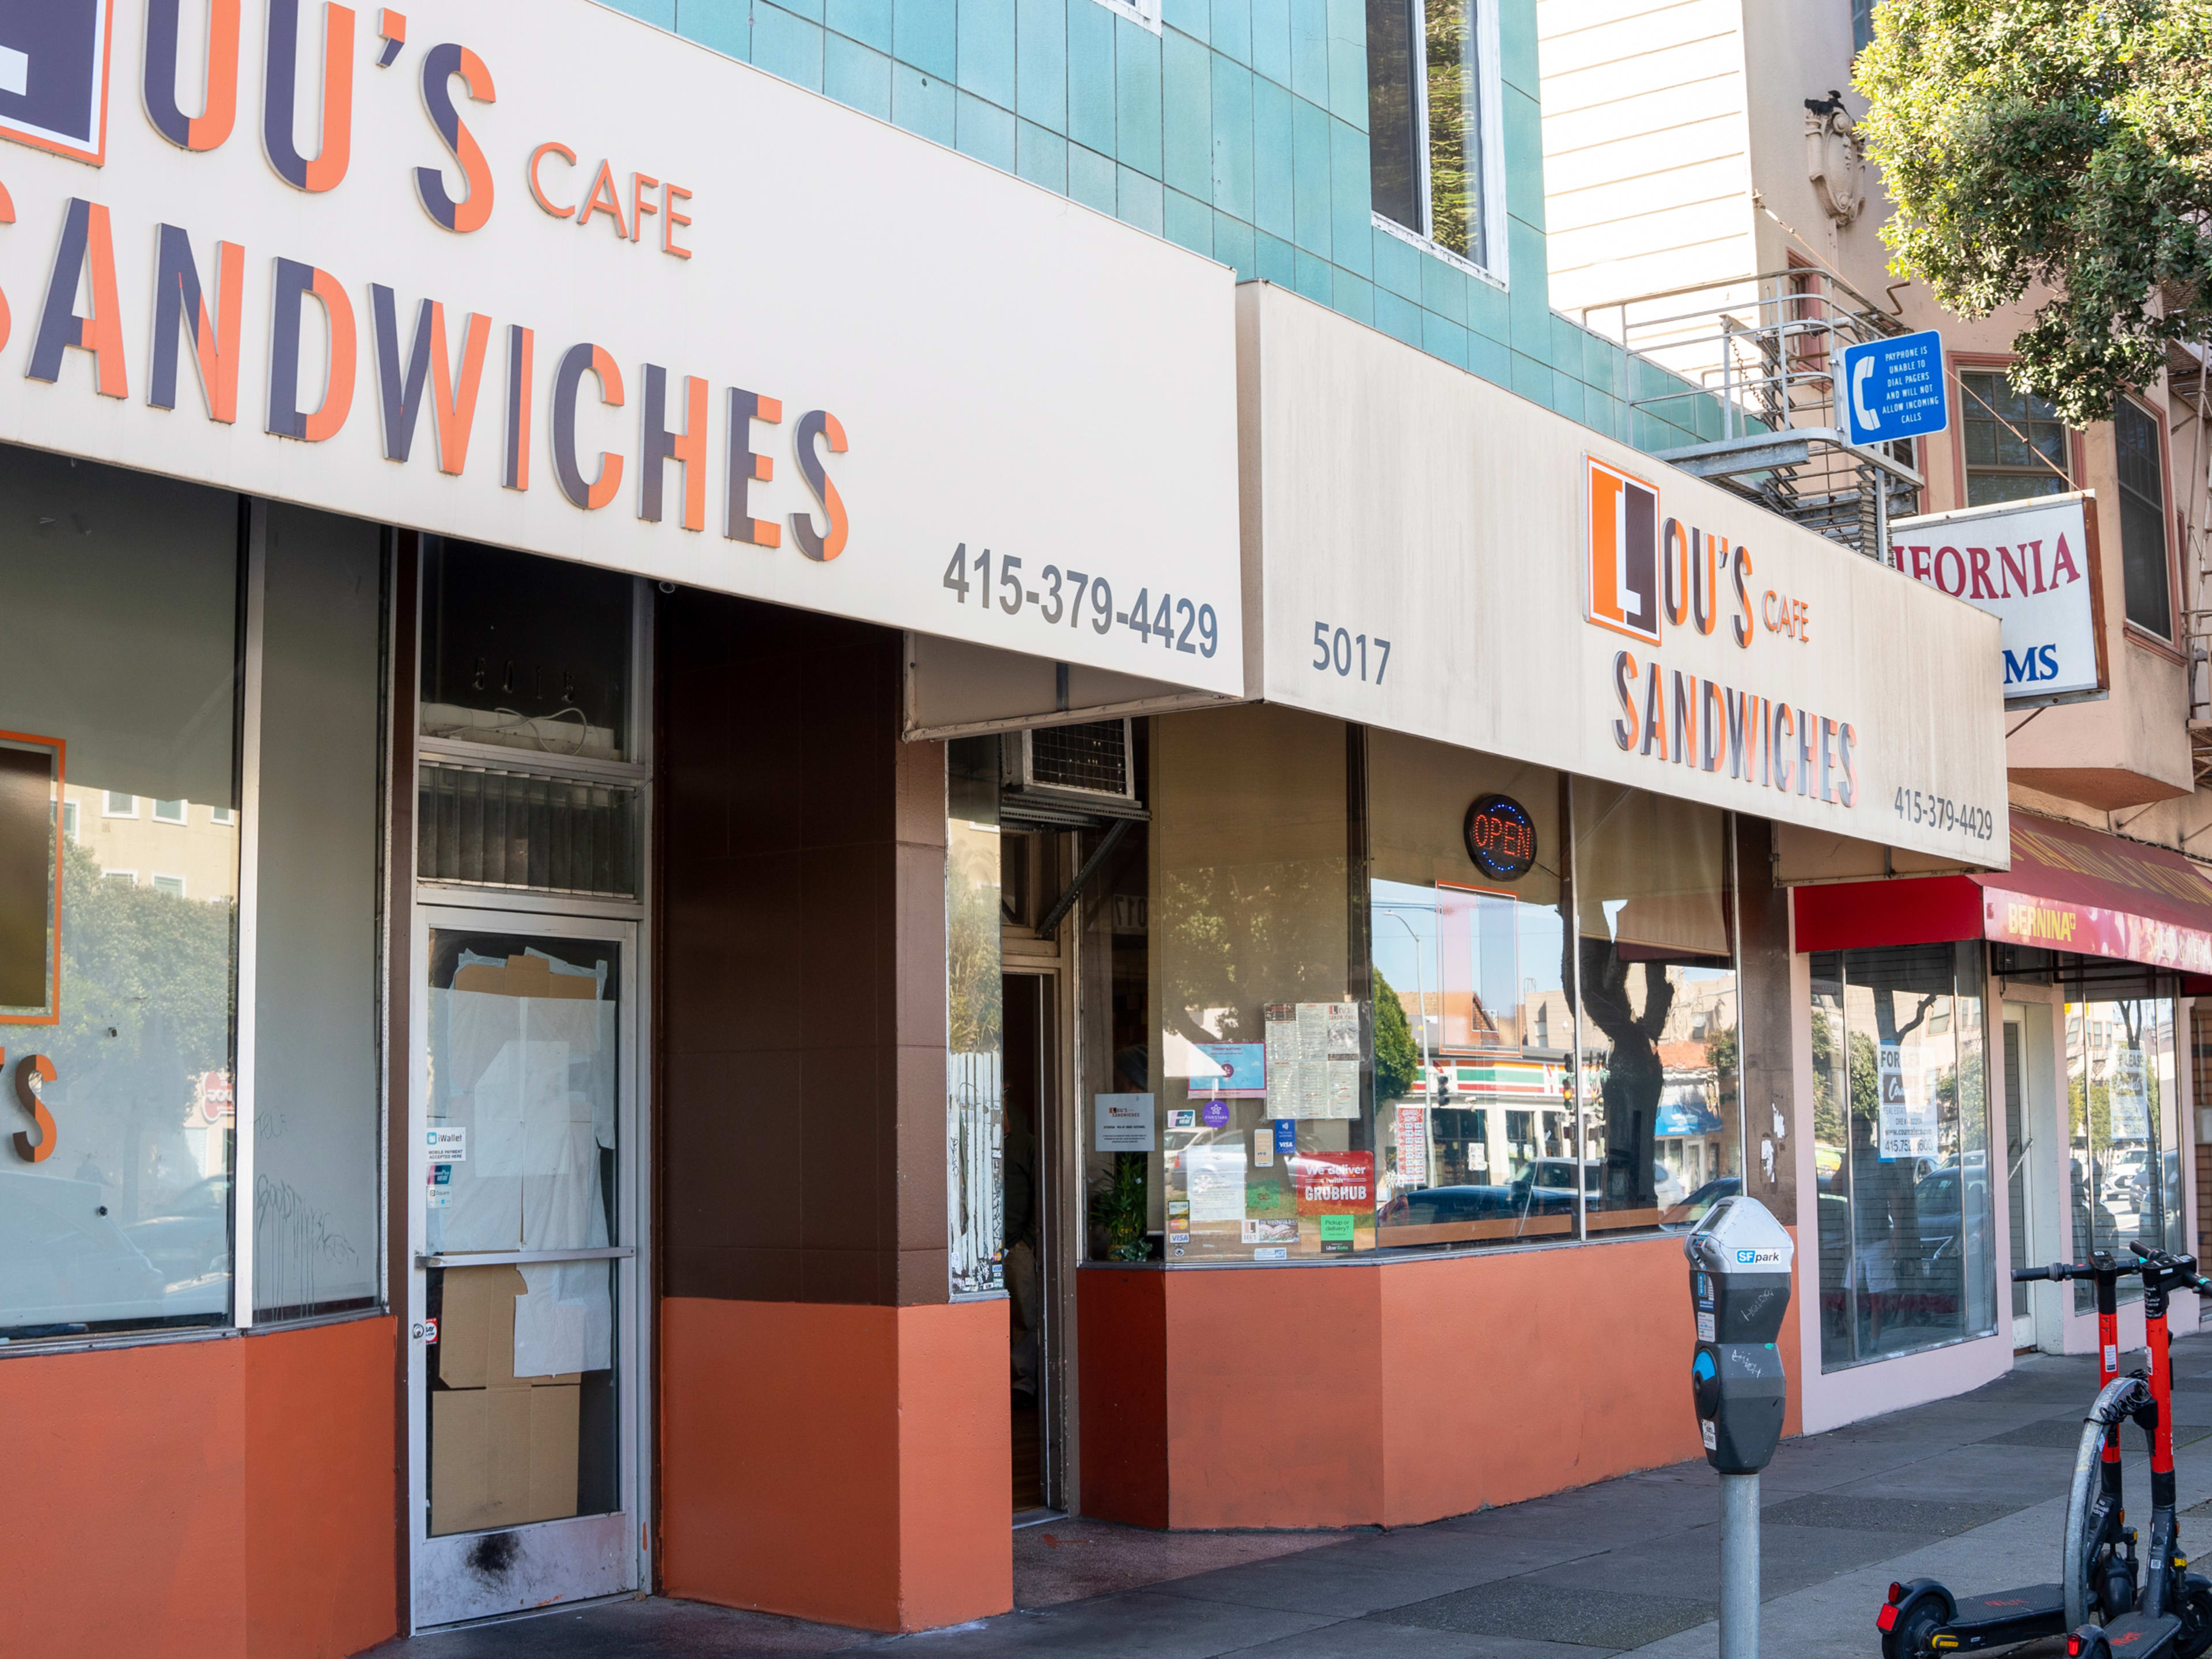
<point x="1972" y="1490"/>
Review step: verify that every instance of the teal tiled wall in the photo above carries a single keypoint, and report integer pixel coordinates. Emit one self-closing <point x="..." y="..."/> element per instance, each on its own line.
<point x="1238" y="131"/>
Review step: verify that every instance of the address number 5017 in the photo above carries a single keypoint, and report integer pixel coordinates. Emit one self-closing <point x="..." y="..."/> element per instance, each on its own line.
<point x="1346" y="653"/>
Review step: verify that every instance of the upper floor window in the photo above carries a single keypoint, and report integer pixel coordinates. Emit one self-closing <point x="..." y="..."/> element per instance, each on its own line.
<point x="168" y="811"/>
<point x="2016" y="442"/>
<point x="1427" y="114"/>
<point x="1862" y="24"/>
<point x="119" y="806"/>
<point x="2143" y="519"/>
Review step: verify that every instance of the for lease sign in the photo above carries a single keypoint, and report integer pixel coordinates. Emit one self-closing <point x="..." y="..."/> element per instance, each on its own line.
<point x="2033" y="565"/>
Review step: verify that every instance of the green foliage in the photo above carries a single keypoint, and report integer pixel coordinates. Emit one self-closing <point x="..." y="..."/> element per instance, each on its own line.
<point x="153" y="968"/>
<point x="1118" y="1209"/>
<point x="2061" y="147"/>
<point x="1397" y="1057"/>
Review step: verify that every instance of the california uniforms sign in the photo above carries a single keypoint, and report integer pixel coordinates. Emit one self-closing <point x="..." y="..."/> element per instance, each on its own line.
<point x="534" y="273"/>
<point x="2033" y="565"/>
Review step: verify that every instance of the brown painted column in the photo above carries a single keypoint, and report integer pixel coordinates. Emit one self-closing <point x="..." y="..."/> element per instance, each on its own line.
<point x="833" y="1439"/>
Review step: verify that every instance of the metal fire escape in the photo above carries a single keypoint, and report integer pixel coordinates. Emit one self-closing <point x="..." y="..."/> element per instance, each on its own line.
<point x="1762" y="348"/>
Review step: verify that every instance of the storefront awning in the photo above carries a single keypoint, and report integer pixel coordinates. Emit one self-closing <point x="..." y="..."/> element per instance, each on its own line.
<point x="2069" y="889"/>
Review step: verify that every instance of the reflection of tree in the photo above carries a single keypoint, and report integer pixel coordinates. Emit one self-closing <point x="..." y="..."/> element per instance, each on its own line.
<point x="1633" y="1076"/>
<point x="145" y="1008"/>
<point x="975" y="995"/>
<point x="1240" y="935"/>
<point x="1827" y="1113"/>
<point x="1396" y="1055"/>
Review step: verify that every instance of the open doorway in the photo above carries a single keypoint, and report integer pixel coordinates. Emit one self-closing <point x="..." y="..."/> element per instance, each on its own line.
<point x="1028" y="1238"/>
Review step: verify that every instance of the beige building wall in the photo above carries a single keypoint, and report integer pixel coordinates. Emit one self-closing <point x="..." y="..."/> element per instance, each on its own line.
<point x="201" y="852"/>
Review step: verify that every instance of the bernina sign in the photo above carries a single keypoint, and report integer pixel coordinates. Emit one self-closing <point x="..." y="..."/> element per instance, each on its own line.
<point x="1436" y="556"/>
<point x="2033" y="566"/>
<point x="531" y="272"/>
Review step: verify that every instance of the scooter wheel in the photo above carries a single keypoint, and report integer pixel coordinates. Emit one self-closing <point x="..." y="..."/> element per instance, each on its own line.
<point x="2195" y="1611"/>
<point x="1917" y="1621"/>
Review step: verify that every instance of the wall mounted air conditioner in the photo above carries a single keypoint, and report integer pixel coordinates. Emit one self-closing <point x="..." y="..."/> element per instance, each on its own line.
<point x="1068" y="776"/>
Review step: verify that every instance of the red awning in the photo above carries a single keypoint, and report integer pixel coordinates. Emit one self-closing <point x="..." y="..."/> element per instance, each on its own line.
<point x="2068" y="889"/>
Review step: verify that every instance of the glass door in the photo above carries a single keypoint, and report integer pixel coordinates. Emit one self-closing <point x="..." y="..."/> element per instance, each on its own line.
<point x="523" y="1289"/>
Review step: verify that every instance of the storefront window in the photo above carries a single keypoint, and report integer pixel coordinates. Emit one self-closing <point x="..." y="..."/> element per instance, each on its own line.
<point x="1662" y="1133"/>
<point x="317" y="1101"/>
<point x="120" y="682"/>
<point x="1473" y="1022"/>
<point x="1260" y="1038"/>
<point x="975" y="1012"/>
<point x="2123" y="1177"/>
<point x="1901" y="1151"/>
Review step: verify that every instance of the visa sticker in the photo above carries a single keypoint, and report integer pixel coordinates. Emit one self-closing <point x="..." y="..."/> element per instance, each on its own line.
<point x="1271" y="1253"/>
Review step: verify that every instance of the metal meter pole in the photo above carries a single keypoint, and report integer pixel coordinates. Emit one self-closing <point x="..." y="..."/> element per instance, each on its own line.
<point x="1740" y="1566"/>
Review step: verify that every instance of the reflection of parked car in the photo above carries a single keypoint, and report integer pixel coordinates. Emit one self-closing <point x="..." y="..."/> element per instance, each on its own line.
<point x="61" y="1262"/>
<point x="1691" y="1210"/>
<point x="1428" y="1206"/>
<point x="1935" y="1201"/>
<point x="1547" y="1186"/>
<point x="188" y="1236"/>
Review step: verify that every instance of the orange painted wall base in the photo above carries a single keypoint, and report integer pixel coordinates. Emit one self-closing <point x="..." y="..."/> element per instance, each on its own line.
<point x="847" y="1464"/>
<point x="1374" y="1395"/>
<point x="214" y="1500"/>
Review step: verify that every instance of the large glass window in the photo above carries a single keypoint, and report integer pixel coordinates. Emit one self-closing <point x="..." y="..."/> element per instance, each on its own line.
<point x="317" y="1054"/>
<point x="1663" y="1135"/>
<point x="975" y="1012"/>
<point x="2016" y="443"/>
<point x="2124" y="1156"/>
<point x="1260" y="1032"/>
<point x="2143" y="519"/>
<point x="1901" y="1151"/>
<point x="1425" y="114"/>
<point x="1330" y="999"/>
<point x="1474" y="1020"/>
<point x="119" y="683"/>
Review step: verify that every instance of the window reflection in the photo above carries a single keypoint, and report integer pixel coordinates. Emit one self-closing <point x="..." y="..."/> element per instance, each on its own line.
<point x="1659" y="1007"/>
<point x="1901" y="1151"/>
<point x="2123" y="1177"/>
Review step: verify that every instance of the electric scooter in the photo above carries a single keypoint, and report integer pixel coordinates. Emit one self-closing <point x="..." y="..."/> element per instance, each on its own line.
<point x="2173" y="1618"/>
<point x="1922" y="1616"/>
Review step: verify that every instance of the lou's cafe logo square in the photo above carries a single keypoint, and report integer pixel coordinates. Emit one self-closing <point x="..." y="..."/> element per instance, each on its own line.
<point x="1623" y="585"/>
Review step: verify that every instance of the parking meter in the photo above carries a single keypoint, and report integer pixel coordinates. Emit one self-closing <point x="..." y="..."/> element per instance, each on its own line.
<point x="1739" y="1286"/>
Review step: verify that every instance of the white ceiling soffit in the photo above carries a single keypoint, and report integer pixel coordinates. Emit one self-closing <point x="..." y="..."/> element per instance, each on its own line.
<point x="956" y="688"/>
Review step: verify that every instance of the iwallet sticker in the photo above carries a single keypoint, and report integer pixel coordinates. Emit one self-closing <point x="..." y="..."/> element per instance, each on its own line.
<point x="446" y="1145"/>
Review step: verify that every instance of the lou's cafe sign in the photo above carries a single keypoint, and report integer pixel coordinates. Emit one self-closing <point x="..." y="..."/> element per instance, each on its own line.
<point x="2033" y="566"/>
<point x="534" y="273"/>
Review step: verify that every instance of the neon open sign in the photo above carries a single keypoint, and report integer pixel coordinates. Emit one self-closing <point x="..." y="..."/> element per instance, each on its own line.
<point x="1501" y="837"/>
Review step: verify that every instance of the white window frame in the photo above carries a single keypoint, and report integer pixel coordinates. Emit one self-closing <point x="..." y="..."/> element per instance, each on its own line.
<point x="1498" y="271"/>
<point x="184" y="812"/>
<point x="222" y="815"/>
<point x="161" y="876"/>
<point x="69" y="819"/>
<point x="1146" y="14"/>
<point x="129" y="876"/>
<point x="108" y="804"/>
